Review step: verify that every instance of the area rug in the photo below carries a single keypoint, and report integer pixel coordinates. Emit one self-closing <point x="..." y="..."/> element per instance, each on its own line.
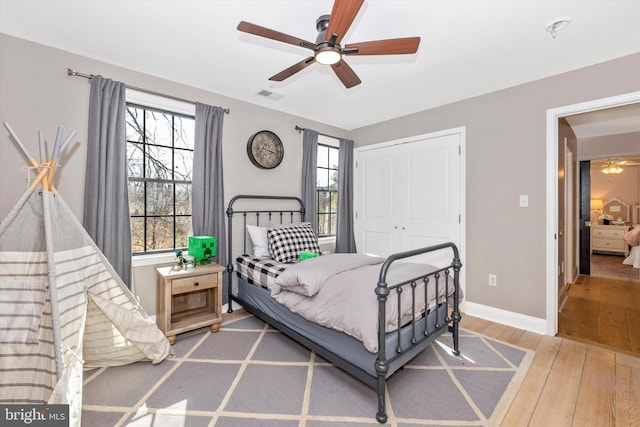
<point x="249" y="375"/>
<point x="611" y="265"/>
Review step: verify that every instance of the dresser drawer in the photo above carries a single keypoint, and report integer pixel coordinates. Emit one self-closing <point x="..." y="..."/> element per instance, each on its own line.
<point x="608" y="233"/>
<point x="191" y="284"/>
<point x="606" y="244"/>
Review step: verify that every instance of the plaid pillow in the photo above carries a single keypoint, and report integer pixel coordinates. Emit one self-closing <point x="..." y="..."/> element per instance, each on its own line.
<point x="285" y="244"/>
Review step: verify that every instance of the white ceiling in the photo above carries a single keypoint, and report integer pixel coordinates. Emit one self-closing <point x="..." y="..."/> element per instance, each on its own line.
<point x="468" y="47"/>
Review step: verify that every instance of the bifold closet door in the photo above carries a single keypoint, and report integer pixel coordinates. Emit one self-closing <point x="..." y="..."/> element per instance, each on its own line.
<point x="408" y="195"/>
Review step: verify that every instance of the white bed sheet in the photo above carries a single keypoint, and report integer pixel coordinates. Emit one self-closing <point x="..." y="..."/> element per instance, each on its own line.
<point x="633" y="258"/>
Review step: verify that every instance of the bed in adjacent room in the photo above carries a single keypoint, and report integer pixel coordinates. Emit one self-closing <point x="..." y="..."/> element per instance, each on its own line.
<point x="368" y="315"/>
<point x="632" y="238"/>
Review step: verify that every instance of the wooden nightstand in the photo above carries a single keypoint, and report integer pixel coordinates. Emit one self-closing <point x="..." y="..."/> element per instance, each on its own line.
<point x="189" y="299"/>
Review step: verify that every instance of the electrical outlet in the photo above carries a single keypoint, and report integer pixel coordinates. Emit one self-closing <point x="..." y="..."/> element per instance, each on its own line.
<point x="493" y="280"/>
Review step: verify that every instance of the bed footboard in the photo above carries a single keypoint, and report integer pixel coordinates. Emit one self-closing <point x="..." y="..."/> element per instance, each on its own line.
<point x="420" y="337"/>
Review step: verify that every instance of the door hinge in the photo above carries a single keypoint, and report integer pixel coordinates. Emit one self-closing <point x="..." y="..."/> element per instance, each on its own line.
<point x="356" y="165"/>
<point x="459" y="150"/>
<point x="459" y="219"/>
<point x="356" y="214"/>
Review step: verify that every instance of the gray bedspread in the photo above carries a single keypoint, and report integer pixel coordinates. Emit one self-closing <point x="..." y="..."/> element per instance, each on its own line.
<point x="337" y="291"/>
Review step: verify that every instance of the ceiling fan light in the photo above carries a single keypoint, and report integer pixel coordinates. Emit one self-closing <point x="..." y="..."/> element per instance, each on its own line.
<point x="328" y="56"/>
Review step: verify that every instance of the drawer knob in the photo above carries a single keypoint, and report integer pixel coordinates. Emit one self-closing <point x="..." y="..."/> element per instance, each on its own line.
<point x="196" y="284"/>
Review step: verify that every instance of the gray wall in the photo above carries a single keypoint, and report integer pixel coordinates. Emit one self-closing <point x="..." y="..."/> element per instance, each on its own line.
<point x="506" y="157"/>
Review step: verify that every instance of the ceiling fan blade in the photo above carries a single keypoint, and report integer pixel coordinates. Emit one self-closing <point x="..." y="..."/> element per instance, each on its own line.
<point x="257" y="30"/>
<point x="346" y="74"/>
<point x="342" y="15"/>
<point x="293" y="69"/>
<point x="385" y="47"/>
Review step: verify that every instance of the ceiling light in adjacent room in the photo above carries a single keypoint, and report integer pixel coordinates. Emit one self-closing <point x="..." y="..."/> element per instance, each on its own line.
<point x="612" y="169"/>
<point x="557" y="26"/>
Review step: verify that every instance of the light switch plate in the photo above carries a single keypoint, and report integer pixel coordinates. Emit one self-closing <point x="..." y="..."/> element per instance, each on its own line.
<point x="524" y="201"/>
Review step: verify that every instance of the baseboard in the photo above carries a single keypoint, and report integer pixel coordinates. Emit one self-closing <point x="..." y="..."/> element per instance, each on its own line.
<point x="509" y="318"/>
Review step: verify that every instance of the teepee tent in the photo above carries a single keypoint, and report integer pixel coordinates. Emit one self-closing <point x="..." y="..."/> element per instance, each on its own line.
<point x="62" y="306"/>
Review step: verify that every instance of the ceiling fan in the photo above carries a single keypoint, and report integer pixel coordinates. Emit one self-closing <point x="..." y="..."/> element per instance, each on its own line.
<point x="327" y="48"/>
<point x="615" y="166"/>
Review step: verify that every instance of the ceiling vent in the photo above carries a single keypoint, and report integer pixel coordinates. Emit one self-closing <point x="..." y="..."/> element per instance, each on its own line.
<point x="269" y="94"/>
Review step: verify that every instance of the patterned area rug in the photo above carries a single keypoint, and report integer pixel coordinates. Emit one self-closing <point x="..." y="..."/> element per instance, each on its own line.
<point x="611" y="265"/>
<point x="250" y="375"/>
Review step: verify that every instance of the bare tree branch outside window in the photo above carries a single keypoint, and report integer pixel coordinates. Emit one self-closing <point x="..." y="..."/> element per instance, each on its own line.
<point x="160" y="163"/>
<point x="327" y="190"/>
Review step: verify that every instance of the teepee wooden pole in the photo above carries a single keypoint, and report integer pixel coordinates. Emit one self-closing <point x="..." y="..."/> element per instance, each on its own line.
<point x="54" y="157"/>
<point x="47" y="166"/>
<point x="42" y="177"/>
<point x="17" y="141"/>
<point x="43" y="162"/>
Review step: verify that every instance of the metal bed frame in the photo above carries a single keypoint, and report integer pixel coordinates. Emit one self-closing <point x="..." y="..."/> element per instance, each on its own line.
<point x="420" y="336"/>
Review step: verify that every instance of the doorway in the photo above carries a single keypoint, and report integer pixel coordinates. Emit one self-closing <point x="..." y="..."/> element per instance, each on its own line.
<point x="552" y="220"/>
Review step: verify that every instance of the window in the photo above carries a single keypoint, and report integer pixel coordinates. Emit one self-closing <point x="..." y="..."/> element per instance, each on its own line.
<point x="327" y="190"/>
<point x="160" y="163"/>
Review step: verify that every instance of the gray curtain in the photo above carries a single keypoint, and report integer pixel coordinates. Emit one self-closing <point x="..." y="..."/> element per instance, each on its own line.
<point x="106" y="196"/>
<point x="208" y="211"/>
<point x="345" y="238"/>
<point x="309" y="177"/>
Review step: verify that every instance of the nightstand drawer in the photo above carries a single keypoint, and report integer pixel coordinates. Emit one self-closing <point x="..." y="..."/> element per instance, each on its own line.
<point x="605" y="244"/>
<point x="191" y="284"/>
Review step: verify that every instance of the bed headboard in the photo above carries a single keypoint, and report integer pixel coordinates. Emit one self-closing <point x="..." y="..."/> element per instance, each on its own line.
<point x="261" y="210"/>
<point x="257" y="210"/>
<point x="617" y="209"/>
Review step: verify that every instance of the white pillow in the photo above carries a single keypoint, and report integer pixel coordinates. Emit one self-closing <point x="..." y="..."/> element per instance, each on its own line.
<point x="259" y="240"/>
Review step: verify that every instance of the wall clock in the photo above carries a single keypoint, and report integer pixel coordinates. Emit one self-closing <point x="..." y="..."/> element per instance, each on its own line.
<point x="265" y="150"/>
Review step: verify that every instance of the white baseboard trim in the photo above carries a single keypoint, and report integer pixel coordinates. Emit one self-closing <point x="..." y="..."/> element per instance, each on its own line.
<point x="509" y="318"/>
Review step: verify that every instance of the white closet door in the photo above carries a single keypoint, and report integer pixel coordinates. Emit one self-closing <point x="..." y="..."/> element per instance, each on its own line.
<point x="408" y="196"/>
<point x="376" y="205"/>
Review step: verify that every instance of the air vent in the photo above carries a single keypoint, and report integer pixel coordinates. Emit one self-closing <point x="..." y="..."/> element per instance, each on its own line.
<point x="269" y="94"/>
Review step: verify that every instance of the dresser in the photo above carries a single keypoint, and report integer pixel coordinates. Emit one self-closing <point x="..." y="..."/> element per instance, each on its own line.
<point x="609" y="238"/>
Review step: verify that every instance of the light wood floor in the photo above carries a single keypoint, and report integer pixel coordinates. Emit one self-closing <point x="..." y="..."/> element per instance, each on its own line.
<point x="569" y="383"/>
<point x="603" y="310"/>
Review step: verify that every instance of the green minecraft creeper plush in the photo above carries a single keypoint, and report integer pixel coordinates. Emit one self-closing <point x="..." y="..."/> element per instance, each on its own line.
<point x="306" y="255"/>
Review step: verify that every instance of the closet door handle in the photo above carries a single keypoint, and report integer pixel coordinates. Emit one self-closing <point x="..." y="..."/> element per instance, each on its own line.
<point x="196" y="283"/>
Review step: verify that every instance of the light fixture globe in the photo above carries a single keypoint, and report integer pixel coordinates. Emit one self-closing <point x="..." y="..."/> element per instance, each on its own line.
<point x="612" y="170"/>
<point x="328" y="55"/>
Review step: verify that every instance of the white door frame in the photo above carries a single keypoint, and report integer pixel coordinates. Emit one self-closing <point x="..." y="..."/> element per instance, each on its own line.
<point x="552" y="191"/>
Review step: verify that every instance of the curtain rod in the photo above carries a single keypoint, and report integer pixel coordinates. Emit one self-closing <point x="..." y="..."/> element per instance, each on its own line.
<point x="73" y="73"/>
<point x="299" y="129"/>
